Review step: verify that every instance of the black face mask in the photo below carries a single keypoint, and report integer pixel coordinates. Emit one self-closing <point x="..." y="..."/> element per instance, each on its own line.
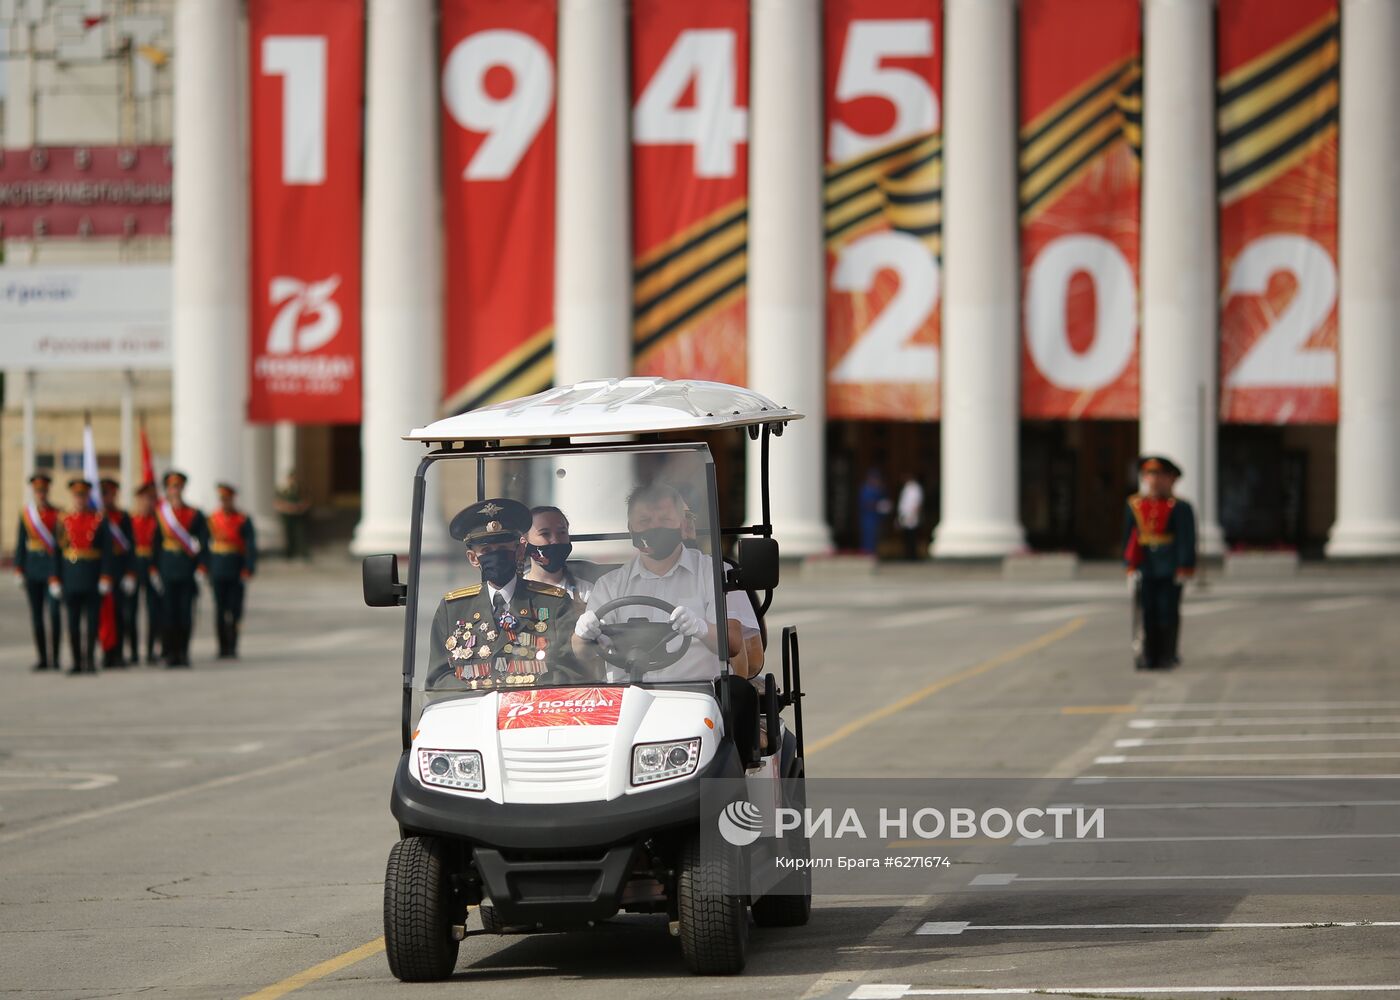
<point x="552" y="557"/>
<point x="659" y="542"/>
<point x="691" y="543"/>
<point x="497" y="566"/>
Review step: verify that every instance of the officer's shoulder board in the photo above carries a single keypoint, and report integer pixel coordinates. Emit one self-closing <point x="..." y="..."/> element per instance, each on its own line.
<point x="471" y="591"/>
<point x="546" y="588"/>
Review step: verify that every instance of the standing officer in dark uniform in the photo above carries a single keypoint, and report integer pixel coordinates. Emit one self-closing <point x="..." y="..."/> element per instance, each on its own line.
<point x="505" y="631"/>
<point x="1159" y="550"/>
<point x="123" y="572"/>
<point x="233" y="555"/>
<point x="36" y="563"/>
<point x="182" y="561"/>
<point x="84" y="573"/>
<point x="143" y="537"/>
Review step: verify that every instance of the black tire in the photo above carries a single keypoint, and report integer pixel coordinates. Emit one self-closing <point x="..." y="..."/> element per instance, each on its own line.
<point x="790" y="904"/>
<point x="418" y="911"/>
<point x="491" y="921"/>
<point x="714" y="925"/>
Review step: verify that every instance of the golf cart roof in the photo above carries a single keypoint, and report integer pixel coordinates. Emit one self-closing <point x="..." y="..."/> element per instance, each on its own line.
<point x="611" y="406"/>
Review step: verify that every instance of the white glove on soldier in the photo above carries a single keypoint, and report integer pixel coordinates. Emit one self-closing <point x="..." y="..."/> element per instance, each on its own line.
<point x="104" y="586"/>
<point x="156" y="584"/>
<point x="129" y="584"/>
<point x="19" y="580"/>
<point x="588" y="627"/>
<point x="687" y="622"/>
<point x="56" y="590"/>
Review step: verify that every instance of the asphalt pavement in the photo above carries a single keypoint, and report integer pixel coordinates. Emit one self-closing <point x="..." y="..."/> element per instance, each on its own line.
<point x="222" y="832"/>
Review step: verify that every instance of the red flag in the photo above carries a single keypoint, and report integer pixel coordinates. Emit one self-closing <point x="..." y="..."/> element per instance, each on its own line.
<point x="107" y="623"/>
<point x="148" y="471"/>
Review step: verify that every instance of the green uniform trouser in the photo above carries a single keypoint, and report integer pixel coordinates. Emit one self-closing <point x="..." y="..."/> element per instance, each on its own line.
<point x="294" y="528"/>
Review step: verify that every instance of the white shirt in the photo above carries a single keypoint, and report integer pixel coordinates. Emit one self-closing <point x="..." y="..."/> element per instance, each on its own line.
<point x="690" y="582"/>
<point x="508" y="590"/>
<point x="738" y="606"/>
<point x="911" y="504"/>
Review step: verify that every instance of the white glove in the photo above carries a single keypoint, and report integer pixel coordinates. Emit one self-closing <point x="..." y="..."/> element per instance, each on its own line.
<point x="56" y="590"/>
<point x="687" y="622"/>
<point x="104" y="586"/>
<point x="156" y="583"/>
<point x="1133" y="577"/>
<point x="129" y="584"/>
<point x="19" y="580"/>
<point x="588" y="627"/>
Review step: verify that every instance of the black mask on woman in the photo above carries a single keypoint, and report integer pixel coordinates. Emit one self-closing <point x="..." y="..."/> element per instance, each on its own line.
<point x="552" y="557"/>
<point x="659" y="542"/>
<point x="497" y="566"/>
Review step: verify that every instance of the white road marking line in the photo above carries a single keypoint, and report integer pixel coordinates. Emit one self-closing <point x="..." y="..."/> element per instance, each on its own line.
<point x="1056" y="613"/>
<point x="1054" y="841"/>
<point x="928" y="616"/>
<point x="1326" y="804"/>
<point x="1103" y="779"/>
<point x="803" y="617"/>
<point x="1187" y="758"/>
<point x="1232" y="721"/>
<point x="1127" y="744"/>
<point x="1272" y="706"/>
<point x="1012" y="878"/>
<point x="883" y="991"/>
<point x="959" y="926"/>
<point x="1338" y="604"/>
<point x="117" y="808"/>
<point x="63" y="781"/>
<point x="1190" y="610"/>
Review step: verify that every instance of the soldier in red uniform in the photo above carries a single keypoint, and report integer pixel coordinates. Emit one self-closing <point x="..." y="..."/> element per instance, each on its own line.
<point x="123" y="570"/>
<point x="143" y="535"/>
<point x="233" y="555"/>
<point x="1159" y="551"/>
<point x="36" y="563"/>
<point x="84" y="573"/>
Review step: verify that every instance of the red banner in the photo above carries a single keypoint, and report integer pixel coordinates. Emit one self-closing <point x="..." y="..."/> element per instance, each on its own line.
<point x="884" y="212"/>
<point x="85" y="191"/>
<point x="1278" y="211"/>
<point x="498" y="152"/>
<point x="547" y="707"/>
<point x="690" y="73"/>
<point x="1081" y="137"/>
<point x="307" y="102"/>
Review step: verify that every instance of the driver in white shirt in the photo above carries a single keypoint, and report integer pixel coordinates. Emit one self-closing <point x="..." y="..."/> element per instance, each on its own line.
<point x="663" y="568"/>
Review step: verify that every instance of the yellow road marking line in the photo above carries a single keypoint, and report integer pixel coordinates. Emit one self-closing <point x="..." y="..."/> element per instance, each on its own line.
<point x="942" y="684"/>
<point x="321" y="971"/>
<point x="1096" y="709"/>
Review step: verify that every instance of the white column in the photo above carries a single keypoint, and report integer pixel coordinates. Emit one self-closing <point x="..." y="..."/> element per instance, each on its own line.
<point x="402" y="272"/>
<point x="1180" y="270"/>
<point x="128" y="433"/>
<point x="787" y="301"/>
<point x="1368" y="475"/>
<point x="210" y="248"/>
<point x="28" y="443"/>
<point x="981" y="354"/>
<point x="257" y="487"/>
<point x="284" y="462"/>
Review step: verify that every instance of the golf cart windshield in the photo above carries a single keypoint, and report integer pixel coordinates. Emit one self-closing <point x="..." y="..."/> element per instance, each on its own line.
<point x="573" y="568"/>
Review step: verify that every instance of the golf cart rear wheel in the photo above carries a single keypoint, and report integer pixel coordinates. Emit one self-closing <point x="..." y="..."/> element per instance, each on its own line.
<point x="418" y="911"/>
<point x="714" y="925"/>
<point x="790" y="905"/>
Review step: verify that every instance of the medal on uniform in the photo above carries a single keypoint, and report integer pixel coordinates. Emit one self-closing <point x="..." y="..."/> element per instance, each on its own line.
<point x="484" y="652"/>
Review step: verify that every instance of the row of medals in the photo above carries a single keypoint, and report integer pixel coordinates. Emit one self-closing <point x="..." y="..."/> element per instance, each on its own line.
<point x="525" y="661"/>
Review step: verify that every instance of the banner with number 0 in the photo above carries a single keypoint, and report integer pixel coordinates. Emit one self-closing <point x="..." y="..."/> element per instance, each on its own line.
<point x="307" y="83"/>
<point x="884" y="210"/>
<point x="1277" y="145"/>
<point x="1081" y="147"/>
<point x="498" y="159"/>
<point x="690" y="122"/>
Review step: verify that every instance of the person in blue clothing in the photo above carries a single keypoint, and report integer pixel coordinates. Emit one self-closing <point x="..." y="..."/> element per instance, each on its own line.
<point x="874" y="507"/>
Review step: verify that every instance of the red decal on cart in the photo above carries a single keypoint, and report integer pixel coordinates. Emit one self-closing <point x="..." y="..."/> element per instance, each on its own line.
<point x="559" y="707"/>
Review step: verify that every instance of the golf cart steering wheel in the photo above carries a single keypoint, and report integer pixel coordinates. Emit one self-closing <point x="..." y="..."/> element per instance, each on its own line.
<point x="639" y="644"/>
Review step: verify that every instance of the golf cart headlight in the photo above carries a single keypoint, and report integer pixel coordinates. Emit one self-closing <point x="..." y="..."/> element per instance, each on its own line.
<point x="659" y="761"/>
<point x="451" y="769"/>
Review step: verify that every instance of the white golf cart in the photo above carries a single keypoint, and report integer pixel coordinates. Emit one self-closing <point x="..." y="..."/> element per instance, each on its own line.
<point x="554" y="799"/>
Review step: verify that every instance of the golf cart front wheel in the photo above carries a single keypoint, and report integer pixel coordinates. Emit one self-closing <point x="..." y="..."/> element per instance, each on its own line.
<point x="418" y="912"/>
<point x="714" y="924"/>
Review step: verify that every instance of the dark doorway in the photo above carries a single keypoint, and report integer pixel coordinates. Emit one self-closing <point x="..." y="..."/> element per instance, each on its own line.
<point x="1074" y="479"/>
<point x="1277" y="486"/>
<point x="898" y="450"/>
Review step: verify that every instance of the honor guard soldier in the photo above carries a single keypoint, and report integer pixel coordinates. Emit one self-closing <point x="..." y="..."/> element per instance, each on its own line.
<point x="1159" y="550"/>
<point x="84" y="573"/>
<point x="182" y="561"/>
<point x="143" y="537"/>
<point x="505" y="631"/>
<point x="36" y="563"/>
<point x="233" y="555"/>
<point x="123" y="573"/>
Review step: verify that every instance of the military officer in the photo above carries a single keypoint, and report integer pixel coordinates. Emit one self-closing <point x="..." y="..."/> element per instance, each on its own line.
<point x="123" y="595"/>
<point x="1159" y="550"/>
<point x="143" y="536"/>
<point x="233" y="556"/>
<point x="36" y="563"/>
<point x="182" y="562"/>
<point x="505" y="631"/>
<point x="84" y="573"/>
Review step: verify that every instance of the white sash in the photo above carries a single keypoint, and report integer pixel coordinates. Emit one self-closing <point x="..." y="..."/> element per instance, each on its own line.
<point x="36" y="522"/>
<point x="172" y="523"/>
<point x="115" y="528"/>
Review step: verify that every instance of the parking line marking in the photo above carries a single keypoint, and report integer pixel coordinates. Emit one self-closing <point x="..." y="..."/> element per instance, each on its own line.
<point x="1250" y="837"/>
<point x="882" y="991"/>
<point x="1132" y="742"/>
<point x="959" y="926"/>
<point x="943" y="683"/>
<point x="1190" y="610"/>
<point x="321" y="971"/>
<point x="1273" y="706"/>
<point x="1011" y="878"/>
<point x="1232" y="721"/>
<point x="928" y="616"/>
<point x="1054" y="614"/>
<point x="1098" y="710"/>
<point x="1187" y="758"/>
<point x="1338" y="604"/>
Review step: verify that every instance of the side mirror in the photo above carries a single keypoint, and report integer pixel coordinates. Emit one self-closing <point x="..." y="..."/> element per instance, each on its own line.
<point x="758" y="564"/>
<point x="380" y="576"/>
